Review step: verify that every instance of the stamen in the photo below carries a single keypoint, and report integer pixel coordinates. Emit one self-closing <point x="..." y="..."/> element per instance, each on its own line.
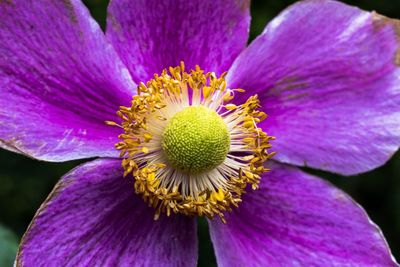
<point x="170" y="172"/>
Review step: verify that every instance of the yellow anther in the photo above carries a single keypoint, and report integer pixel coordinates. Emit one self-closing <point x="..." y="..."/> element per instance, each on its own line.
<point x="230" y="106"/>
<point x="249" y="174"/>
<point x="218" y="196"/>
<point x="248" y="124"/>
<point x="150" y="177"/>
<point x="206" y="91"/>
<point x="147" y="137"/>
<point x="228" y="96"/>
<point x="111" y="123"/>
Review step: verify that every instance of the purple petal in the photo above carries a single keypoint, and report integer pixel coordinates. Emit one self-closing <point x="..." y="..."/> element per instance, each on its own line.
<point x="151" y="35"/>
<point x="296" y="219"/>
<point x="328" y="78"/>
<point x="94" y="218"/>
<point x="59" y="81"/>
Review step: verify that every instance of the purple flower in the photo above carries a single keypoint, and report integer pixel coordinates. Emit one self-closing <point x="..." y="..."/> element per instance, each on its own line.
<point x="325" y="73"/>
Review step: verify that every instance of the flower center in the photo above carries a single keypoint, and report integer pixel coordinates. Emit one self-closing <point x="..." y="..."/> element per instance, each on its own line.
<point x="196" y="140"/>
<point x="187" y="148"/>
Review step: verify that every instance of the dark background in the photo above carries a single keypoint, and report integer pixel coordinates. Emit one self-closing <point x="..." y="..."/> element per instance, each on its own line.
<point x="25" y="183"/>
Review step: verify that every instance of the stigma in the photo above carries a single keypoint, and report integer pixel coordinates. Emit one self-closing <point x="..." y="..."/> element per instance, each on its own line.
<point x="196" y="140"/>
<point x="189" y="149"/>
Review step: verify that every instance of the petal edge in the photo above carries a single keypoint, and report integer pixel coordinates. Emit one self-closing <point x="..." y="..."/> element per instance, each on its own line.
<point x="297" y="219"/>
<point x="93" y="217"/>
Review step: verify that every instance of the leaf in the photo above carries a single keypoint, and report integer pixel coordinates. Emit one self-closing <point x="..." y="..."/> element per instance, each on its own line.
<point x="8" y="246"/>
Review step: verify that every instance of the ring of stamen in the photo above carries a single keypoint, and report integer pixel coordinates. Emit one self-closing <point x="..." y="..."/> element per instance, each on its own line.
<point x="213" y="187"/>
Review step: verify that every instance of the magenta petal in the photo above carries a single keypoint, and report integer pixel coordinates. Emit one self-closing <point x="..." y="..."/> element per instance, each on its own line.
<point x="59" y="81"/>
<point x="296" y="219"/>
<point x="93" y="218"/>
<point x="327" y="76"/>
<point x="151" y="35"/>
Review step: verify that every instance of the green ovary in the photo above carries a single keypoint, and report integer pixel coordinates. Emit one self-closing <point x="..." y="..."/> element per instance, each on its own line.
<point x="196" y="140"/>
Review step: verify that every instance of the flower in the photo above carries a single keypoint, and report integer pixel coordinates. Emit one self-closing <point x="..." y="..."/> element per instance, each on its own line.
<point x="189" y="150"/>
<point x="325" y="73"/>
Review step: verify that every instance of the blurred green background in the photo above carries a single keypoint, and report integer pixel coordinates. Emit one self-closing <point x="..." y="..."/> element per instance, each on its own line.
<point x="25" y="183"/>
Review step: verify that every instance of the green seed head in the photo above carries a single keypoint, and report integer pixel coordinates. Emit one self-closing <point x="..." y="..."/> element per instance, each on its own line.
<point x="196" y="140"/>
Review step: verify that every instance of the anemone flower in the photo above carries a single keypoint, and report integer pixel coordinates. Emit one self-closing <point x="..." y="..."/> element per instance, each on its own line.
<point x="175" y="106"/>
